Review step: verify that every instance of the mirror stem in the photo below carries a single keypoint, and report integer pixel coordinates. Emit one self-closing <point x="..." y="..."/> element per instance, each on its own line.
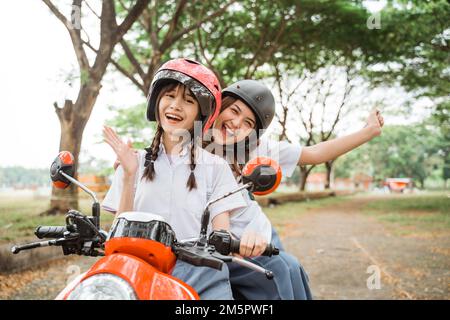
<point x="79" y="184"/>
<point x="205" y="217"/>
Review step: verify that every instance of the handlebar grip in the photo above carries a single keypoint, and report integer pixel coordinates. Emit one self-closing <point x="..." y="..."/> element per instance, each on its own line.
<point x="270" y="249"/>
<point x="50" y="231"/>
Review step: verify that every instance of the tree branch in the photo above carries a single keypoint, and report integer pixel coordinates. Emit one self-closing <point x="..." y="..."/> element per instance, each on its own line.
<point x="196" y="25"/>
<point x="132" y="59"/>
<point x="173" y="24"/>
<point x="92" y="10"/>
<point x="208" y="61"/>
<point x="75" y="34"/>
<point x="132" y="16"/>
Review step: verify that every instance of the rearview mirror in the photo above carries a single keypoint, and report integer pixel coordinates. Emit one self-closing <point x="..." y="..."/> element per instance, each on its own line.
<point x="63" y="162"/>
<point x="263" y="173"/>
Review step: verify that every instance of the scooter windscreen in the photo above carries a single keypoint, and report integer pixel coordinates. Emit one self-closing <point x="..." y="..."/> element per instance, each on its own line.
<point x="143" y="226"/>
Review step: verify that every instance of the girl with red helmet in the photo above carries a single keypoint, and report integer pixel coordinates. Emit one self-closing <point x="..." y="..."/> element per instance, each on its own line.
<point x="167" y="178"/>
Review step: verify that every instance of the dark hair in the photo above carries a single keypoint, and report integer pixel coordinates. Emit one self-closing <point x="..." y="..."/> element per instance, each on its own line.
<point x="153" y="149"/>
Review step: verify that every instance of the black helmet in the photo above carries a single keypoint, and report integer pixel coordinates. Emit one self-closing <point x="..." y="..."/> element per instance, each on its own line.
<point x="257" y="97"/>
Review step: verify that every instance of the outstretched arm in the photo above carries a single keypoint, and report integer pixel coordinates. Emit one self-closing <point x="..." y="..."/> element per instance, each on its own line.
<point x="329" y="150"/>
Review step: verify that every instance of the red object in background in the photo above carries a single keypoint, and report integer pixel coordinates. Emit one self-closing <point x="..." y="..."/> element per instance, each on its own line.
<point x="397" y="184"/>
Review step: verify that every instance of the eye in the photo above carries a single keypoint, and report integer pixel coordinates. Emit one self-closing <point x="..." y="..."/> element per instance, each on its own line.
<point x="234" y="110"/>
<point x="170" y="94"/>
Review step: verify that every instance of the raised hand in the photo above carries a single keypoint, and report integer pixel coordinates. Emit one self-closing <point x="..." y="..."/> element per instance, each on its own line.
<point x="117" y="162"/>
<point x="375" y="121"/>
<point x="125" y="154"/>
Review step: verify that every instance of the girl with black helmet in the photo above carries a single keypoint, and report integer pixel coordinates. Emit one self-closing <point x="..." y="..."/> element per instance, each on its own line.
<point x="248" y="108"/>
<point x="173" y="176"/>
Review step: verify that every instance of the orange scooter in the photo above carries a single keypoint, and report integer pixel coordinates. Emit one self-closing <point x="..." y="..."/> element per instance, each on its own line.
<point x="141" y="249"/>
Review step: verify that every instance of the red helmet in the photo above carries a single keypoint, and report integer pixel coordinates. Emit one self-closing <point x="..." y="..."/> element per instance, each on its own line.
<point x="201" y="81"/>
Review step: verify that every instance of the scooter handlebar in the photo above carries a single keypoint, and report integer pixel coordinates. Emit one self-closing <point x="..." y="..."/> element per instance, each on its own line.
<point x="269" y="251"/>
<point x="50" y="231"/>
<point x="225" y="244"/>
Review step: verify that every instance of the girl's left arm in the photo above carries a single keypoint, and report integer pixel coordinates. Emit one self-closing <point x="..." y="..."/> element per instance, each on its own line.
<point x="221" y="221"/>
<point x="329" y="150"/>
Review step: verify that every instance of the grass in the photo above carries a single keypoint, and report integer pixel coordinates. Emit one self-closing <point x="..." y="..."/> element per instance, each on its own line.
<point x="19" y="217"/>
<point x="413" y="213"/>
<point x="283" y="214"/>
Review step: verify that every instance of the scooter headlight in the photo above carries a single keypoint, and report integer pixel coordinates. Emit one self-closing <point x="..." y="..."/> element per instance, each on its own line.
<point x="103" y="287"/>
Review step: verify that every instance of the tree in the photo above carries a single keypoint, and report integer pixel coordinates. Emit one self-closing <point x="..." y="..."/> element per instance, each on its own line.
<point x="415" y="39"/>
<point x="132" y="123"/>
<point x="160" y="32"/>
<point x="408" y="151"/>
<point x="316" y="102"/>
<point x="74" y="115"/>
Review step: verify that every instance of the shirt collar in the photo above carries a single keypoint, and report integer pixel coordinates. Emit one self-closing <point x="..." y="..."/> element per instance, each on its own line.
<point x="185" y="149"/>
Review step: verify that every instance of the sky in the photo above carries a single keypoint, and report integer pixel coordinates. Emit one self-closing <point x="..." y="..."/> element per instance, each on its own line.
<point x="35" y="57"/>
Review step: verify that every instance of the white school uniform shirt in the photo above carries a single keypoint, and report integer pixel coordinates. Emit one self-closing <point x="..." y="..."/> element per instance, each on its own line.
<point x="168" y="196"/>
<point x="252" y="218"/>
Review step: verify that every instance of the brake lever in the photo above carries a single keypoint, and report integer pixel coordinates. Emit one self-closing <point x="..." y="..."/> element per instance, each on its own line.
<point x="253" y="266"/>
<point x="32" y="245"/>
<point x="198" y="256"/>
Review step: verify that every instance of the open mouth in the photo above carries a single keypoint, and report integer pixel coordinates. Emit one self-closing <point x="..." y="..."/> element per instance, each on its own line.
<point x="227" y="132"/>
<point x="173" y="118"/>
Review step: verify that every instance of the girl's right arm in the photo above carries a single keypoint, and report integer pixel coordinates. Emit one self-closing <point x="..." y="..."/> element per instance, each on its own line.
<point x="127" y="196"/>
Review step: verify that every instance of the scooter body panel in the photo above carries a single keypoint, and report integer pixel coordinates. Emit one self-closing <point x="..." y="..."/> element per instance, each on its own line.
<point x="147" y="282"/>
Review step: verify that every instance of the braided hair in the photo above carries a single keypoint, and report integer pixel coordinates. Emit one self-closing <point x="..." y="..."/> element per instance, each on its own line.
<point x="153" y="150"/>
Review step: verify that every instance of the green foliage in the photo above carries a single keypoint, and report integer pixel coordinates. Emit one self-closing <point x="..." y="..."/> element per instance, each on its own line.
<point x="432" y="203"/>
<point x="19" y="217"/>
<point x="132" y="123"/>
<point x="414" y="38"/>
<point x="250" y="35"/>
<point x="411" y="151"/>
<point x="20" y="176"/>
<point x="413" y="213"/>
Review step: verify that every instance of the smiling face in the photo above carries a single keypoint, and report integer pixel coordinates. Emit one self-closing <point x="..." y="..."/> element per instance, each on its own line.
<point x="177" y="108"/>
<point x="234" y="123"/>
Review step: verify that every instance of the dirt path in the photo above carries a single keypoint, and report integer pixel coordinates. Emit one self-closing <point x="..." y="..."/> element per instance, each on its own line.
<point x="338" y="244"/>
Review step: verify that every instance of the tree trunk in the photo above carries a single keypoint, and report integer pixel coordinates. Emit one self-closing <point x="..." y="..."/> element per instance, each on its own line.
<point x="73" y="119"/>
<point x="65" y="199"/>
<point x="304" y="173"/>
<point x="74" y="116"/>
<point x="329" y="166"/>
